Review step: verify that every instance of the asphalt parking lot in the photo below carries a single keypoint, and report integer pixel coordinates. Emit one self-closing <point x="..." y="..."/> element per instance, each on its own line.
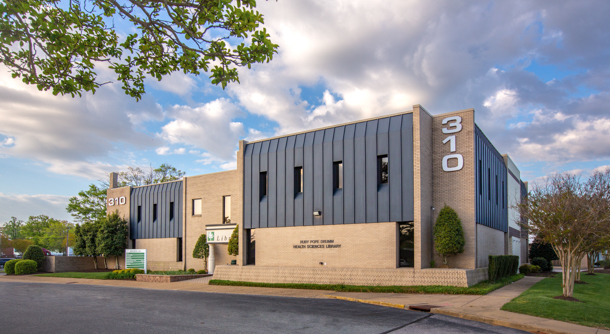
<point x="65" y="308"/>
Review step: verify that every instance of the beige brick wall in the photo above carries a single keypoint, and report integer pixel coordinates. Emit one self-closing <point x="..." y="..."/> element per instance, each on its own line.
<point x="489" y="242"/>
<point x="422" y="185"/>
<point x="210" y="188"/>
<point x="456" y="189"/>
<point x="362" y="246"/>
<point x="352" y="276"/>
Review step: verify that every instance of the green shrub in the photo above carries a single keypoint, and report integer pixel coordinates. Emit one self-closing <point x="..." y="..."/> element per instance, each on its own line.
<point x="124" y="274"/>
<point x="540" y="262"/>
<point x="34" y="253"/>
<point x="26" y="267"/>
<point x="200" y="272"/>
<point x="525" y="269"/>
<point x="191" y="271"/>
<point x="534" y="269"/>
<point x="502" y="266"/>
<point x="448" y="234"/>
<point x="9" y="267"/>
<point x="233" y="246"/>
<point x="603" y="263"/>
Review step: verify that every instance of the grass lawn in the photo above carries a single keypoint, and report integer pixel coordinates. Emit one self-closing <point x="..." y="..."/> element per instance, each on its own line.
<point x="593" y="311"/>
<point x="479" y="289"/>
<point x="90" y="275"/>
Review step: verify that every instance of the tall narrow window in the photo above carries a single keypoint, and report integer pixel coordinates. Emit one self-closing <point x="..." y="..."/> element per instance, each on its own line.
<point x="488" y="184"/>
<point x="139" y="213"/>
<point x="197" y="207"/>
<point x="226" y="210"/>
<point x="338" y="175"/>
<point x="496" y="189"/>
<point x="171" y="210"/>
<point x="383" y="175"/>
<point x="179" y="250"/>
<point x="154" y="213"/>
<point x="298" y="180"/>
<point x="263" y="184"/>
<point x="480" y="178"/>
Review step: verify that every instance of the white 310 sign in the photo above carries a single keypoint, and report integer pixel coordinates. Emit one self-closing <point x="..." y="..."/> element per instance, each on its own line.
<point x="116" y="201"/>
<point x="454" y="124"/>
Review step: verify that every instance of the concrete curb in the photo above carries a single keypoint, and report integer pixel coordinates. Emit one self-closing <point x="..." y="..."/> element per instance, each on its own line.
<point x="401" y="306"/>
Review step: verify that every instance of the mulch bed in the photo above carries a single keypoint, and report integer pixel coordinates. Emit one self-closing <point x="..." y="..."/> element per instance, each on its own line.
<point x="570" y="299"/>
<point x="580" y="282"/>
<point x="602" y="271"/>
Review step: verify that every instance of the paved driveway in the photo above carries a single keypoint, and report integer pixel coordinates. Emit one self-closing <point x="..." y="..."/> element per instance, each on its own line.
<point x="67" y="308"/>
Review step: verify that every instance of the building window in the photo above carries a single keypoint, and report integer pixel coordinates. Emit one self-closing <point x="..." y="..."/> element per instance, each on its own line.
<point x="496" y="189"/>
<point x="226" y="210"/>
<point x="197" y="207"/>
<point x="250" y="241"/>
<point x="263" y="184"/>
<point x="139" y="213"/>
<point x="338" y="175"/>
<point x="179" y="250"/>
<point x="298" y="180"/>
<point x="171" y="210"/>
<point x="488" y="184"/>
<point x="154" y="213"/>
<point x="480" y="178"/>
<point x="383" y="176"/>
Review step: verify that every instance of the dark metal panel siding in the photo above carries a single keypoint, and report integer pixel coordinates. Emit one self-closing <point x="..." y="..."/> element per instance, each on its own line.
<point x="162" y="195"/>
<point x="349" y="179"/>
<point x="248" y="186"/>
<point x="360" y="173"/>
<point x="256" y="199"/>
<point x="394" y="151"/>
<point x="408" y="211"/>
<point x="272" y="196"/>
<point x="361" y="200"/>
<point x="490" y="210"/>
<point x="281" y="183"/>
<point x="327" y="186"/>
<point x="308" y="181"/>
<point x="290" y="196"/>
<point x="371" y="171"/>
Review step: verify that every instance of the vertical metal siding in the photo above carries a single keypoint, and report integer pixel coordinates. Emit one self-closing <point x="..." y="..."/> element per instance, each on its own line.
<point x="489" y="212"/>
<point x="361" y="200"/>
<point x="162" y="195"/>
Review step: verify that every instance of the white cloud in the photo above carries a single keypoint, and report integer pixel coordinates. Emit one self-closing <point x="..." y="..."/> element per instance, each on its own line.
<point x="177" y="83"/>
<point x="23" y="206"/>
<point x="209" y="127"/>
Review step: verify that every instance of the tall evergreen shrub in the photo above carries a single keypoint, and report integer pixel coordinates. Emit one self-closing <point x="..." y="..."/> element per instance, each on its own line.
<point x="448" y="234"/>
<point x="202" y="249"/>
<point x="34" y="253"/>
<point x="233" y="247"/>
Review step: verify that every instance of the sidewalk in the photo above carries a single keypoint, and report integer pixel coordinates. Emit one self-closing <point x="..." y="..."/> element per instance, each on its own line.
<point x="471" y="307"/>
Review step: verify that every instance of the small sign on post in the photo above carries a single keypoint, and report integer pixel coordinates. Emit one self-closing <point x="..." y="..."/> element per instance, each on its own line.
<point x="135" y="259"/>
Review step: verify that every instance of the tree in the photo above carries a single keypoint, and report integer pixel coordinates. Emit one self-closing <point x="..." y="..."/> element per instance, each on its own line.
<point x="202" y="250"/>
<point x="12" y="228"/>
<point x="56" y="45"/>
<point x="21" y="245"/>
<point x="233" y="246"/>
<point x="85" y="244"/>
<point x="35" y="229"/>
<point x="571" y="216"/>
<point x="448" y="234"/>
<point x="89" y="205"/>
<point x="4" y="244"/>
<point x="112" y="237"/>
<point x="136" y="176"/>
<point x="55" y="235"/>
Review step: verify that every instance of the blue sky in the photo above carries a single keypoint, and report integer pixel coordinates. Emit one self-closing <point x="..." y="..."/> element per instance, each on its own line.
<point x="537" y="78"/>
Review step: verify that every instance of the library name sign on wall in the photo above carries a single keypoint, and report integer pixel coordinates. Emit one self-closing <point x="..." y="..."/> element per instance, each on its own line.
<point x="311" y="244"/>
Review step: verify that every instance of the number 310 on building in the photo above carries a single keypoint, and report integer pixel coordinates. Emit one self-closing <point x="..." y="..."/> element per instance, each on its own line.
<point x="454" y="125"/>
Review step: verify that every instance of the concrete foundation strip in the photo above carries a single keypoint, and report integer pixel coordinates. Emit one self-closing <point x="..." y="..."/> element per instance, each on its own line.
<point x="401" y="306"/>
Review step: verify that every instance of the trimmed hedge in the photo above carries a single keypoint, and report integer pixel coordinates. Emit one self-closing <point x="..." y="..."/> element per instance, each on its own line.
<point x="502" y="266"/>
<point x="524" y="269"/>
<point x="542" y="263"/>
<point x="9" y="266"/>
<point x="34" y="253"/>
<point x="529" y="269"/>
<point x="200" y="272"/>
<point x="26" y="267"/>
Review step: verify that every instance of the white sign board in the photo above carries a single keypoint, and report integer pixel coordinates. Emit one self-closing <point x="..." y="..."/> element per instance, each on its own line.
<point x="135" y="259"/>
<point x="219" y="234"/>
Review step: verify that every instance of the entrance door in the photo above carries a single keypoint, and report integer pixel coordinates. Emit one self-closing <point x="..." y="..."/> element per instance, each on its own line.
<point x="406" y="244"/>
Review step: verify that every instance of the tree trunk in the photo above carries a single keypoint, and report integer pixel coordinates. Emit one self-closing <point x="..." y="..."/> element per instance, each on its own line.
<point x="117" y="266"/>
<point x="578" y="266"/>
<point x="205" y="263"/>
<point x="591" y="263"/>
<point x="568" y="270"/>
<point x="95" y="262"/>
<point x="105" y="262"/>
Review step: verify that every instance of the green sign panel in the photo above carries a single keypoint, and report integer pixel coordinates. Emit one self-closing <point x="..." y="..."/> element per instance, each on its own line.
<point x="135" y="259"/>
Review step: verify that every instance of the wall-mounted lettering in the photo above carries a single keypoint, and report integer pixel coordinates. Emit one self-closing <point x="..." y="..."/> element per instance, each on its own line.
<point x="117" y="201"/>
<point x="454" y="124"/>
